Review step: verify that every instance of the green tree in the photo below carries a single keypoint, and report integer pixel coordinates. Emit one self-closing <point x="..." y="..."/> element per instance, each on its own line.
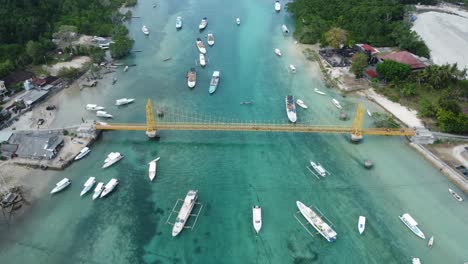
<point x="35" y="51"/>
<point x="393" y="71"/>
<point x="121" y="47"/>
<point x="427" y="108"/>
<point x="336" y="37"/>
<point x="6" y="67"/>
<point x="69" y="73"/>
<point x="451" y="122"/>
<point x="359" y="64"/>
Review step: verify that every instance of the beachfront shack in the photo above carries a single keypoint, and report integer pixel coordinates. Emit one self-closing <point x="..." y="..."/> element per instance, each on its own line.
<point x="416" y="63"/>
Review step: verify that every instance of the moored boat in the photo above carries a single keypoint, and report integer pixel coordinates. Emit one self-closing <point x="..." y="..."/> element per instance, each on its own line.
<point x="319" y="168"/>
<point x="412" y="225"/>
<point x="112" y="158"/>
<point x="369" y="113"/>
<point x="60" y="185"/>
<point x="319" y="92"/>
<point x="238" y="21"/>
<point x="94" y="107"/>
<point x="361" y="224"/>
<point x="301" y="104"/>
<point x="278" y="52"/>
<point x="83" y="152"/>
<point x="210" y="39"/>
<point x="257" y="218"/>
<point x="455" y="195"/>
<point x="277" y="6"/>
<point x="103" y="114"/>
<point x="98" y="190"/>
<point x="214" y="82"/>
<point x="201" y="46"/>
<point x="336" y="103"/>
<point x="191" y="78"/>
<point x="203" y="23"/>
<point x="291" y="108"/>
<point x="292" y="68"/>
<point x="152" y="169"/>
<point x="178" y="24"/>
<point x="88" y="185"/>
<point x="316" y="221"/>
<point x="285" y="29"/>
<point x="145" y="30"/>
<point x="415" y="260"/>
<point x="125" y="68"/>
<point x="109" y="187"/>
<point x="124" y="101"/>
<point x="202" y="60"/>
<point x="431" y="242"/>
<point x="184" y="212"/>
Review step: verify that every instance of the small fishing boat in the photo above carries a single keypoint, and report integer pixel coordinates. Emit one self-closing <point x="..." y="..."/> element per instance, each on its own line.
<point x="257" y="218"/>
<point x="178" y="23"/>
<point x="152" y="169"/>
<point x="291" y="108"/>
<point x="361" y="224"/>
<point x="278" y="52"/>
<point x="202" y="60"/>
<point x="210" y="39"/>
<point x="415" y="260"/>
<point x="455" y="195"/>
<point x="369" y="113"/>
<point x="246" y="102"/>
<point x="94" y="107"/>
<point x="114" y="80"/>
<point x="109" y="187"/>
<point x="60" y="185"/>
<point x="412" y="225"/>
<point x="145" y="30"/>
<point x="88" y="185"/>
<point x="191" y="78"/>
<point x="319" y="92"/>
<point x="431" y="242"/>
<point x="336" y="103"/>
<point x="285" y="29"/>
<point x="126" y="68"/>
<point x="98" y="190"/>
<point x="238" y="21"/>
<point x="214" y="82"/>
<point x="301" y="103"/>
<point x="292" y="68"/>
<point x="277" y="6"/>
<point x="319" y="168"/>
<point x="83" y="152"/>
<point x="203" y="23"/>
<point x="167" y="59"/>
<point x="201" y="46"/>
<point x="124" y="101"/>
<point x="103" y="114"/>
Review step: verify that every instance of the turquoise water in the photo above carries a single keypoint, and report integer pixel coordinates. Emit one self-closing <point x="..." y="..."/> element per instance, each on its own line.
<point x="231" y="170"/>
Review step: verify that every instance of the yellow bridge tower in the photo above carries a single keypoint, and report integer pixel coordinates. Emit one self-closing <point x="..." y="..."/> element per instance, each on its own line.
<point x="150" y="121"/>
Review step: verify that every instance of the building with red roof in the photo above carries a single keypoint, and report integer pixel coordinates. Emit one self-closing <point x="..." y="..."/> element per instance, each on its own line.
<point x="407" y="58"/>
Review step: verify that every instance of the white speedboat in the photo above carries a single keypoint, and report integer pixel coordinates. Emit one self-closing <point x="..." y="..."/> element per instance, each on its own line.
<point x="292" y="68"/>
<point x="314" y="219"/>
<point x="202" y="60"/>
<point x="412" y="225"/>
<point x="277" y="6"/>
<point x="431" y="242"/>
<point x="238" y="21"/>
<point x="200" y="46"/>
<point x="88" y="185"/>
<point x="214" y="82"/>
<point x="109" y="187"/>
<point x="257" y="218"/>
<point x="125" y="68"/>
<point x="285" y="29"/>
<point x="336" y="103"/>
<point x="415" y="261"/>
<point x="103" y="114"/>
<point x="291" y="108"/>
<point x="152" y="168"/>
<point x="112" y="158"/>
<point x="278" y="52"/>
<point x="83" y="152"/>
<point x="210" y="39"/>
<point x="301" y="104"/>
<point x="145" y="30"/>
<point x="319" y="168"/>
<point x="178" y="23"/>
<point x="361" y="224"/>
<point x="203" y="23"/>
<point x="191" y="78"/>
<point x="319" y="92"/>
<point x="98" y="190"/>
<point x="94" y="107"/>
<point x="184" y="212"/>
<point x="455" y="195"/>
<point x="60" y="185"/>
<point x="124" y="101"/>
<point x="369" y="113"/>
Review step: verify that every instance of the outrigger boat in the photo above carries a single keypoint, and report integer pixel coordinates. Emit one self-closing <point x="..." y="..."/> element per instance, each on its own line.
<point x="184" y="212"/>
<point x="455" y="195"/>
<point x="316" y="221"/>
<point x="319" y="168"/>
<point x="412" y="225"/>
<point x="319" y="92"/>
<point x="336" y="103"/>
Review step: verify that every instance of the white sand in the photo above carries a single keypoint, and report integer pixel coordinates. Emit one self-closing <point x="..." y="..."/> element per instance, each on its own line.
<point x="77" y="63"/>
<point x="461" y="154"/>
<point x="446" y="35"/>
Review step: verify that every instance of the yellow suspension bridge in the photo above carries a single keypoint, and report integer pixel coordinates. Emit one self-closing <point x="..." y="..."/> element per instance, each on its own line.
<point x="356" y="130"/>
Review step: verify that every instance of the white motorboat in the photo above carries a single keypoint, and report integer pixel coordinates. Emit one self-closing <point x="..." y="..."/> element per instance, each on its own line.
<point x="60" y="185"/>
<point x="285" y="29"/>
<point x="109" y="187"/>
<point x="184" y="212"/>
<point x="291" y="108"/>
<point x="202" y="60"/>
<point x="238" y="21"/>
<point x="203" y="23"/>
<point x="301" y="104"/>
<point x="145" y="30"/>
<point x="112" y="158"/>
<point x="361" y="224"/>
<point x="98" y="190"/>
<point x="124" y="101"/>
<point x="292" y="68"/>
<point x="191" y="78"/>
<point x="94" y="107"/>
<point x="210" y="39"/>
<point x="257" y="218"/>
<point x="200" y="46"/>
<point x="319" y="92"/>
<point x="178" y="23"/>
<point x="336" y="103"/>
<point x="412" y="225"/>
<point x="83" y="152"/>
<point x="277" y="6"/>
<point x="152" y="168"/>
<point x="103" y="114"/>
<point x="455" y="195"/>
<point x="431" y="242"/>
<point x="125" y="68"/>
<point x="88" y="185"/>
<point x="316" y="221"/>
<point x="415" y="260"/>
<point x="214" y="82"/>
<point x="278" y="52"/>
<point x="369" y="113"/>
<point x="319" y="168"/>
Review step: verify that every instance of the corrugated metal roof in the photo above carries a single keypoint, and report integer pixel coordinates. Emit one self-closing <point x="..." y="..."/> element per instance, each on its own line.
<point x="5" y="136"/>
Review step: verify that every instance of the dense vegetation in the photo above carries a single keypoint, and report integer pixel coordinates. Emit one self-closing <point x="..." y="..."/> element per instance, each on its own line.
<point x="27" y="26"/>
<point x="378" y="22"/>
